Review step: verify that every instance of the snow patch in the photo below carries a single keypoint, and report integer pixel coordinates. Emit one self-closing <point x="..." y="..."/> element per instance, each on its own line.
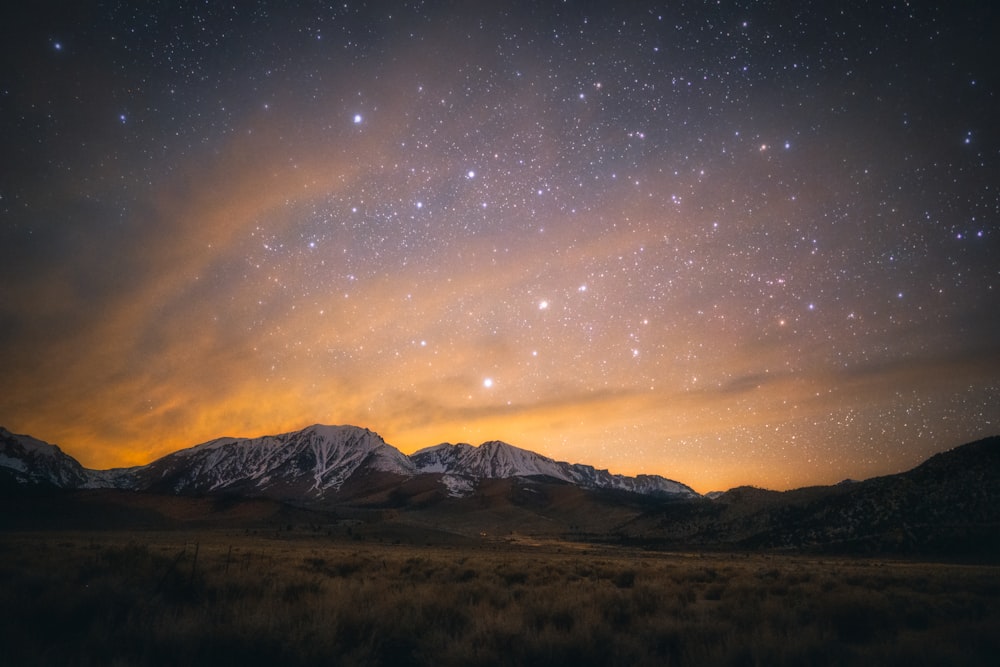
<point x="12" y="463"/>
<point x="458" y="487"/>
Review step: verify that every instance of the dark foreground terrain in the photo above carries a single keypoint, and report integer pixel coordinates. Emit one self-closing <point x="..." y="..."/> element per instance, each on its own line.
<point x="217" y="597"/>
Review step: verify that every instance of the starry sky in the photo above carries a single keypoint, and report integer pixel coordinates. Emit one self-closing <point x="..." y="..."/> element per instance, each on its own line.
<point x="725" y="242"/>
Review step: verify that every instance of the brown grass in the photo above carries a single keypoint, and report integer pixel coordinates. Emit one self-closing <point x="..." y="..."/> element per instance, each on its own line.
<point x="216" y="599"/>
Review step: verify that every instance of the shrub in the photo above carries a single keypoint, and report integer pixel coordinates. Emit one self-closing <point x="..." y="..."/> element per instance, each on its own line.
<point x="264" y="601"/>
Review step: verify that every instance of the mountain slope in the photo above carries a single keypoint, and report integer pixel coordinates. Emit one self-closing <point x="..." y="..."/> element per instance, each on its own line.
<point x="950" y="504"/>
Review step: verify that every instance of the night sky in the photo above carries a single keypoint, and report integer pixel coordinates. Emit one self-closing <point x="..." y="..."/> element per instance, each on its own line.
<point x="726" y="242"/>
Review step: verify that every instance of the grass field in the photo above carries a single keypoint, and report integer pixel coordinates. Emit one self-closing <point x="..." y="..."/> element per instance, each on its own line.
<point x="224" y="599"/>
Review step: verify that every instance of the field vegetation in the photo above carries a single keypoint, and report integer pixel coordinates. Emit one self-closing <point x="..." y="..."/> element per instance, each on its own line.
<point x="215" y="598"/>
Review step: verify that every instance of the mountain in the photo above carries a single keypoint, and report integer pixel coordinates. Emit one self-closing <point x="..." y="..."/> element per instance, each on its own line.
<point x="300" y="465"/>
<point x="312" y="464"/>
<point x="462" y="464"/>
<point x="948" y="505"/>
<point x="328" y="475"/>
<point x="25" y="461"/>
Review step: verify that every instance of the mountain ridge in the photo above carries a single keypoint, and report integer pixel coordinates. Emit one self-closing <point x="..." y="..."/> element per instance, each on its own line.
<point x="310" y="463"/>
<point x="949" y="504"/>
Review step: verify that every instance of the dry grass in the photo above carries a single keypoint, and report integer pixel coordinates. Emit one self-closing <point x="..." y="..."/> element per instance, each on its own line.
<point x="148" y="600"/>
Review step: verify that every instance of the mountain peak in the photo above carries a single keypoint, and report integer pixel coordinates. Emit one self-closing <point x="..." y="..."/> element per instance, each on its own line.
<point x="496" y="459"/>
<point x="336" y="430"/>
<point x="30" y="461"/>
<point x="491" y="460"/>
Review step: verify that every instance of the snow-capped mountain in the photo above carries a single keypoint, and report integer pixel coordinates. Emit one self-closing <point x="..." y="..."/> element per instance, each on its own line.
<point x="309" y="464"/>
<point x="492" y="460"/>
<point x="28" y="461"/>
<point x="498" y="460"/>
